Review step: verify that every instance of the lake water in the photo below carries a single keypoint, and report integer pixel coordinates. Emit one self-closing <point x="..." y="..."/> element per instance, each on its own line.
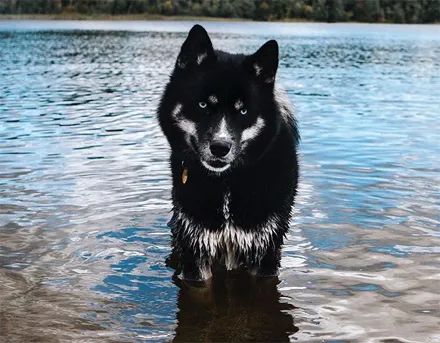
<point x="85" y="187"/>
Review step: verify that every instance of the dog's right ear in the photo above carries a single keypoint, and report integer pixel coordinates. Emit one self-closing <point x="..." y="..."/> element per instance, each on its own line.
<point x="196" y="50"/>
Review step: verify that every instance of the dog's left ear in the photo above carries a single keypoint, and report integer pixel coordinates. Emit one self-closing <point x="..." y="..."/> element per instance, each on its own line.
<point x="196" y="50"/>
<point x="264" y="63"/>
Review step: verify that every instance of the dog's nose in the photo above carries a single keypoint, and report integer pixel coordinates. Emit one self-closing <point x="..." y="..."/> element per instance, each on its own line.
<point x="220" y="148"/>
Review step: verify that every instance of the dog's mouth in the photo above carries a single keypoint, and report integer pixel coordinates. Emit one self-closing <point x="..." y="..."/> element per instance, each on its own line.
<point x="216" y="166"/>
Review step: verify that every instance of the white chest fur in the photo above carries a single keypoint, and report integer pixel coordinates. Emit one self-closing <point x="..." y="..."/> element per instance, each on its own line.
<point x="230" y="241"/>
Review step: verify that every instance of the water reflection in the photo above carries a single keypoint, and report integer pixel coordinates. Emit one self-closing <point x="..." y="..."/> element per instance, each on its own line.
<point x="233" y="308"/>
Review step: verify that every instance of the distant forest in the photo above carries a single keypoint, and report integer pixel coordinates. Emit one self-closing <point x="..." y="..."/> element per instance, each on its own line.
<point x="384" y="11"/>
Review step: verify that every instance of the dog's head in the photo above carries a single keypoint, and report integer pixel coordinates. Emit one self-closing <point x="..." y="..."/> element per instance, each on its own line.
<point x="219" y="109"/>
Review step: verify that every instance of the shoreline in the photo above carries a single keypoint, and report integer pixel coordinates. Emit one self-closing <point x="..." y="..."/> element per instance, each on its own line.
<point x="78" y="16"/>
<point x="158" y="17"/>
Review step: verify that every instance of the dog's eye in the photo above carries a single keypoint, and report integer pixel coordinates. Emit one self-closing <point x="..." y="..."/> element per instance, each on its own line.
<point x="243" y="111"/>
<point x="202" y="104"/>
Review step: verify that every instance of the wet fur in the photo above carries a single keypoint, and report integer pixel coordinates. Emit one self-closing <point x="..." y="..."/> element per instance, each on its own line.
<point x="236" y="218"/>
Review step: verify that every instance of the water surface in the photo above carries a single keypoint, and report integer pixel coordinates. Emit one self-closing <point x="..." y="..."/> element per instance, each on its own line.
<point x="85" y="187"/>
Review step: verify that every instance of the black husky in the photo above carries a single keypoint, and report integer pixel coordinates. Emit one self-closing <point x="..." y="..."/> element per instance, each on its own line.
<point x="233" y="145"/>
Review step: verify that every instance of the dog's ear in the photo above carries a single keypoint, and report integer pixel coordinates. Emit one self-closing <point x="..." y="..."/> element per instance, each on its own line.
<point x="264" y="63"/>
<point x="196" y="50"/>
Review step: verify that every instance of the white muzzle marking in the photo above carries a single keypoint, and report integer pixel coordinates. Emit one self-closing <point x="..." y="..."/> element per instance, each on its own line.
<point x="222" y="131"/>
<point x="214" y="169"/>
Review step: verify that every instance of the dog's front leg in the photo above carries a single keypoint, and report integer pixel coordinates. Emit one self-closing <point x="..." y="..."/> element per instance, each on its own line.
<point x="269" y="263"/>
<point x="193" y="267"/>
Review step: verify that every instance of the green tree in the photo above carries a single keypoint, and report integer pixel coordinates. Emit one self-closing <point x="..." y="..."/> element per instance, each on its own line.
<point x="262" y="11"/>
<point x="336" y="11"/>
<point x="432" y="12"/>
<point x="319" y="10"/>
<point x="398" y="15"/>
<point x="411" y="11"/>
<point x="166" y="7"/>
<point x="226" y="9"/>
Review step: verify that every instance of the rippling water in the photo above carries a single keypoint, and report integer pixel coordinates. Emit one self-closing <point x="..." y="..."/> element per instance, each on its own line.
<point x="85" y="187"/>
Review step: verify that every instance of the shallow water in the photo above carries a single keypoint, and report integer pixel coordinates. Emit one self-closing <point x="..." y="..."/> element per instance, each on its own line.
<point x="85" y="187"/>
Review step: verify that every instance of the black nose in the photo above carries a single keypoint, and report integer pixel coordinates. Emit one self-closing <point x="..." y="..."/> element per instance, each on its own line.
<point x="220" y="148"/>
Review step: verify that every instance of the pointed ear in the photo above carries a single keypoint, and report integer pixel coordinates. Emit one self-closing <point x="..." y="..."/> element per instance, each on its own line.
<point x="264" y="63"/>
<point x="196" y="50"/>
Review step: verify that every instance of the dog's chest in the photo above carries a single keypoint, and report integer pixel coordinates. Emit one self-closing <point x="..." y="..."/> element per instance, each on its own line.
<point x="230" y="243"/>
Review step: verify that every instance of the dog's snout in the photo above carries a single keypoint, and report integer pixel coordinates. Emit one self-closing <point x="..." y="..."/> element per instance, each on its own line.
<point x="220" y="148"/>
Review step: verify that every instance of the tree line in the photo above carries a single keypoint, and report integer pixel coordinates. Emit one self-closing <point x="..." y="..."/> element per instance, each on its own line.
<point x="386" y="11"/>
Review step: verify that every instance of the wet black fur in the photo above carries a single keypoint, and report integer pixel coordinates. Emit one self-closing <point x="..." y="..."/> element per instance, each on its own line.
<point x="262" y="181"/>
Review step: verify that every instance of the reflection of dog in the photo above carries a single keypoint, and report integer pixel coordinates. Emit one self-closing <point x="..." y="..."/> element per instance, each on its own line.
<point x="233" y="158"/>
<point x="233" y="309"/>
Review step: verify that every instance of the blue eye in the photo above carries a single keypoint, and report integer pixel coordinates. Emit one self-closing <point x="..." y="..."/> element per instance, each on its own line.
<point x="202" y="104"/>
<point x="243" y="111"/>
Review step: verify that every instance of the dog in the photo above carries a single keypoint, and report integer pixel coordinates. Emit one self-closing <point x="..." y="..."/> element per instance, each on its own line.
<point x="233" y="140"/>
